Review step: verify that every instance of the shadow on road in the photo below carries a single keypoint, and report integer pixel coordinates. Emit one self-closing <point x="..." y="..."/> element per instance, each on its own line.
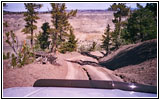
<point x="90" y="55"/>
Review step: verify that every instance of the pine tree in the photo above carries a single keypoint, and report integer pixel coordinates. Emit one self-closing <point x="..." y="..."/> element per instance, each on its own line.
<point x="141" y="26"/>
<point x="72" y="42"/>
<point x="30" y="18"/>
<point x="69" y="45"/>
<point x="152" y="7"/>
<point x="60" y="22"/>
<point x="121" y="10"/>
<point x="43" y="36"/>
<point x="106" y="39"/>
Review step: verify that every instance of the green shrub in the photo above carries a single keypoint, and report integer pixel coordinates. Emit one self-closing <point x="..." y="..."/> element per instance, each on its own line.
<point x="44" y="36"/>
<point x="64" y="48"/>
<point x="23" y="57"/>
<point x="6" y="56"/>
<point x="13" y="60"/>
<point x="70" y="45"/>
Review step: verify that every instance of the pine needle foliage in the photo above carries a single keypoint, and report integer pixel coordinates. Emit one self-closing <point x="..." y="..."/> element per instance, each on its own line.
<point x="30" y="17"/>
<point x="44" y="36"/>
<point x="141" y="25"/>
<point x="106" y="39"/>
<point x="60" y="23"/>
<point x="70" y="45"/>
<point x="121" y="11"/>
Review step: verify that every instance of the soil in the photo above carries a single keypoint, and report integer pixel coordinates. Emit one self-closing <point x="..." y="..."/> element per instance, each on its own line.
<point x="28" y="74"/>
<point x="143" y="73"/>
<point x="134" y="63"/>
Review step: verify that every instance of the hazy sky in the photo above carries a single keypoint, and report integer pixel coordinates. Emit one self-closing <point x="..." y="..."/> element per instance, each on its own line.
<point x="81" y="6"/>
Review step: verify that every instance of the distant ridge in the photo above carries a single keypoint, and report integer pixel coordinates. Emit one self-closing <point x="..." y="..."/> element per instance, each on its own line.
<point x="45" y="12"/>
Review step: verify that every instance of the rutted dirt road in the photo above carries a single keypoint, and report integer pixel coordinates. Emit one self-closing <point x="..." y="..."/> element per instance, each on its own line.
<point x="75" y="72"/>
<point x="79" y="69"/>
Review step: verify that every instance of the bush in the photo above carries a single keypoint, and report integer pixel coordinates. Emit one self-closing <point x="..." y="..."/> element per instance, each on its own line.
<point x="83" y="48"/>
<point x="44" y="36"/>
<point x="6" y="56"/>
<point x="70" y="45"/>
<point x="93" y="47"/>
<point x="23" y="57"/>
<point x="64" y="48"/>
<point x="13" y="60"/>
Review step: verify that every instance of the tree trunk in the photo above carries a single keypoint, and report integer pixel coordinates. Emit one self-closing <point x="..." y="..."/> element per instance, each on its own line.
<point x="119" y="33"/>
<point x="14" y="50"/>
<point x="32" y="35"/>
<point x="54" y="44"/>
<point x="32" y="39"/>
<point x="55" y="39"/>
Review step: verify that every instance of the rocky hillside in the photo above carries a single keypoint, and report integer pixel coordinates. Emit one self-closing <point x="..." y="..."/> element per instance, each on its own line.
<point x="134" y="63"/>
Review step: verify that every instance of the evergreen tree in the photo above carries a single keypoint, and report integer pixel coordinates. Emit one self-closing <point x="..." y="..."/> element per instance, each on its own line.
<point x="70" y="45"/>
<point x="30" y="18"/>
<point x="121" y="10"/>
<point x="152" y="7"/>
<point x="106" y="39"/>
<point x="72" y="42"/>
<point x="43" y="37"/>
<point x="60" y="22"/>
<point x="141" y="26"/>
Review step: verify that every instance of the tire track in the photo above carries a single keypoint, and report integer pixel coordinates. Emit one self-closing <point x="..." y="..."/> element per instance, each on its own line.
<point x="72" y="71"/>
<point x="98" y="75"/>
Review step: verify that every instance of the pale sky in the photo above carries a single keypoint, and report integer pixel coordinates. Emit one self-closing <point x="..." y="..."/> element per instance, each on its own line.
<point x="79" y="6"/>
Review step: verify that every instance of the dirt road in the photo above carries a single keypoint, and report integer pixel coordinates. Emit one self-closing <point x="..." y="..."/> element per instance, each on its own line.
<point x="76" y="70"/>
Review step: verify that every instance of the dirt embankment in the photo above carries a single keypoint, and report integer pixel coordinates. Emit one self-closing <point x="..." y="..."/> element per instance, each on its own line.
<point x="134" y="63"/>
<point x="143" y="73"/>
<point x="28" y="74"/>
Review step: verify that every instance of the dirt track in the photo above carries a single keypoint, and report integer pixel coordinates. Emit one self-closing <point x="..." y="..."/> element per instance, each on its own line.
<point x="70" y="68"/>
<point x="89" y="71"/>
